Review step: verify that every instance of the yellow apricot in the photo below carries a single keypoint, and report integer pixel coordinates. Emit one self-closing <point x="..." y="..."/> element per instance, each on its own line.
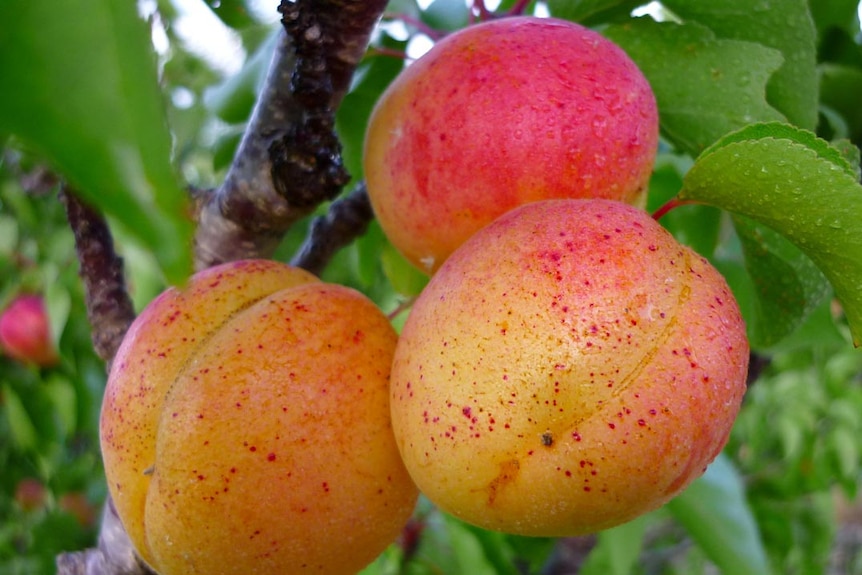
<point x="569" y="368"/>
<point x="246" y="427"/>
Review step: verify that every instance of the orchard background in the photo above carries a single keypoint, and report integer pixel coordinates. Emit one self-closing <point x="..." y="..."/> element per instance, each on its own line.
<point x="115" y="128"/>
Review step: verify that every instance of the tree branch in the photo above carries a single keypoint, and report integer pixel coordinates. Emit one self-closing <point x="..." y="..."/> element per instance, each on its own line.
<point x="346" y="220"/>
<point x="110" y="312"/>
<point x="289" y="160"/>
<point x="109" y="307"/>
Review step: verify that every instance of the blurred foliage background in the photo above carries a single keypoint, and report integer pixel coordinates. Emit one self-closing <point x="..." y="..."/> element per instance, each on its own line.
<point x="781" y="499"/>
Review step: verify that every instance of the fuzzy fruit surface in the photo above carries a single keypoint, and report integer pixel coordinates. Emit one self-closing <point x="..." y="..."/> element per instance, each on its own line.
<point x="500" y="114"/>
<point x="246" y="427"/>
<point x="569" y="368"/>
<point x="25" y="334"/>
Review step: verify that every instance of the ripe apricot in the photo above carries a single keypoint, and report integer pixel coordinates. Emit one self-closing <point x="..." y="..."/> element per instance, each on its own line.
<point x="25" y="332"/>
<point x="246" y="427"/>
<point x="499" y="114"/>
<point x="570" y="367"/>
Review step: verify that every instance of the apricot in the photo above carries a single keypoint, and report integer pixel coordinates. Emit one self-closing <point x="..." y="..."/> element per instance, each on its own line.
<point x="500" y="114"/>
<point x="568" y="368"/>
<point x="25" y="332"/>
<point x="246" y="427"/>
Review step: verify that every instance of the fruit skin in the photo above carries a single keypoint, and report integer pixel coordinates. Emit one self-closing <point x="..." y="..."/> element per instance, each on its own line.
<point x="500" y="114"/>
<point x="25" y="334"/>
<point x="245" y="426"/>
<point x="569" y="368"/>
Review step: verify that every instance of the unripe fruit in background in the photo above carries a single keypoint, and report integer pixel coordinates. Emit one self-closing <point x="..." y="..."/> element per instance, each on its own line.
<point x="500" y="114"/>
<point x="246" y="427"/>
<point x="25" y="333"/>
<point x="569" y="368"/>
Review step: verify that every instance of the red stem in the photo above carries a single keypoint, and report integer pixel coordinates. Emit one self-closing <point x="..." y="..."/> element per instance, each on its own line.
<point x="673" y="203"/>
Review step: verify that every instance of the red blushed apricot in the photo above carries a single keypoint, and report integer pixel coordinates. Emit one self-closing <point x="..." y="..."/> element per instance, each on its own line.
<point x="25" y="332"/>
<point x="246" y="427"/>
<point x="500" y="114"/>
<point x="569" y="368"/>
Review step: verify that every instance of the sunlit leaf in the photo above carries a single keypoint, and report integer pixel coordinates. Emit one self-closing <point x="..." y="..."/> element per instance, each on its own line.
<point x="785" y="25"/>
<point x="782" y="177"/>
<point x="705" y="86"/>
<point x="714" y="511"/>
<point x="86" y="96"/>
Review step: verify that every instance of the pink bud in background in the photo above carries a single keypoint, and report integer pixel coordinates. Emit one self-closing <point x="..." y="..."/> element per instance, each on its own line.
<point x="25" y="334"/>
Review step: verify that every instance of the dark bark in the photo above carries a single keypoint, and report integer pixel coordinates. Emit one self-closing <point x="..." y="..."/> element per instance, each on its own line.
<point x="289" y="160"/>
<point x="109" y="308"/>
<point x="347" y="219"/>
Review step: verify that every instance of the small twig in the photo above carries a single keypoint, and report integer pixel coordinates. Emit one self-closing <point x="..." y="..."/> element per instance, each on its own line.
<point x="109" y="307"/>
<point x="346" y="220"/>
<point x="420" y="26"/>
<point x="110" y="312"/>
<point x="668" y="206"/>
<point x="114" y="554"/>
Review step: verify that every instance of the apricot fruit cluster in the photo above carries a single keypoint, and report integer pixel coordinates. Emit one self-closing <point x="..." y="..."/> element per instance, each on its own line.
<point x="246" y="427"/>
<point x="570" y="365"/>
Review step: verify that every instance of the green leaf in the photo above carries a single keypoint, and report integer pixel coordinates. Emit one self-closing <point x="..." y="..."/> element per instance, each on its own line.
<point x="468" y="551"/>
<point x="617" y="550"/>
<point x="86" y="95"/>
<point x="64" y="401"/>
<point x="446" y="15"/>
<point x="785" y="25"/>
<point x="496" y="550"/>
<point x="842" y="14"/>
<point x="705" y="87"/>
<point x="372" y="77"/>
<point x="789" y="287"/>
<point x="799" y="186"/>
<point x="58" y="302"/>
<point x="24" y="434"/>
<point x="234" y="13"/>
<point x="714" y="511"/>
<point x="840" y="87"/>
<point x="696" y="226"/>
<point x="580" y="10"/>
<point x="405" y="278"/>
